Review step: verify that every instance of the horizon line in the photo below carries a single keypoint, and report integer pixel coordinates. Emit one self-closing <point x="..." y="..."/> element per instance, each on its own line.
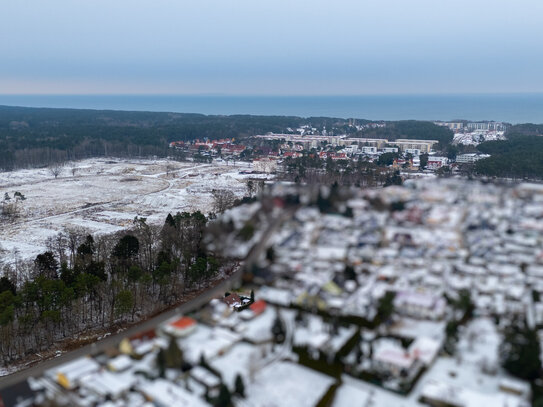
<point x="213" y="94"/>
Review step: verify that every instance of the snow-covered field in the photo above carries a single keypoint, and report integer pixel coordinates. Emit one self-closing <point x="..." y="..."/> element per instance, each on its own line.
<point x="104" y="196"/>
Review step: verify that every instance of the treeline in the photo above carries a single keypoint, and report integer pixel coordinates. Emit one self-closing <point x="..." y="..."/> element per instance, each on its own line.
<point x="410" y="129"/>
<point x="525" y="129"/>
<point x="84" y="283"/>
<point x="520" y="156"/>
<point x="39" y="137"/>
<point x="34" y="137"/>
<point x="311" y="169"/>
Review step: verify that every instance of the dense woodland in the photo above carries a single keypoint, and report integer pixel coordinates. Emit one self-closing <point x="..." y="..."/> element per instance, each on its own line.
<point x="83" y="283"/>
<point x="520" y="156"/>
<point x="32" y="137"/>
<point x="411" y="129"/>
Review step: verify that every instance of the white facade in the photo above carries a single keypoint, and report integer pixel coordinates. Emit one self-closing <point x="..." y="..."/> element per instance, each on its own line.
<point x="470" y="158"/>
<point x="486" y="126"/>
<point x="436" y="162"/>
<point x="413" y="151"/>
<point x="369" y="150"/>
<point x="425" y="146"/>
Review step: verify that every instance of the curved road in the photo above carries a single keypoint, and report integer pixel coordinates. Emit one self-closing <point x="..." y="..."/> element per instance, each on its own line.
<point x="152" y="323"/>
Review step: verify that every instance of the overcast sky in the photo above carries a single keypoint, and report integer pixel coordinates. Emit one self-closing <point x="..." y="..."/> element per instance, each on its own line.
<point x="271" y="46"/>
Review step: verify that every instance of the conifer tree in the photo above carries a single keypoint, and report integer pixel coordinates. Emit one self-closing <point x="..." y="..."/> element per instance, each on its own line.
<point x="173" y="355"/>
<point x="240" y="387"/>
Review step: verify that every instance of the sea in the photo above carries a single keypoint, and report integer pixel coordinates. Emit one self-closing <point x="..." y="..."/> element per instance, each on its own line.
<point x="510" y="108"/>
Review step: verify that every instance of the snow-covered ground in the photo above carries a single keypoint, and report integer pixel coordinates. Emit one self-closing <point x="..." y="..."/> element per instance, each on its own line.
<point x="104" y="196"/>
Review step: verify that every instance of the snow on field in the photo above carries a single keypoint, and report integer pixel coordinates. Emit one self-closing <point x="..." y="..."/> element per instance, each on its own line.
<point x="287" y="384"/>
<point x="104" y="195"/>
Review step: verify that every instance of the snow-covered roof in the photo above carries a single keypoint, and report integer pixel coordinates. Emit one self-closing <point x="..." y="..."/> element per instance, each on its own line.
<point x="165" y="393"/>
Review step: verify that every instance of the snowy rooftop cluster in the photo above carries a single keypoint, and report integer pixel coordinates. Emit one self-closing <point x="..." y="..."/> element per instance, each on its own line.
<point x="393" y="297"/>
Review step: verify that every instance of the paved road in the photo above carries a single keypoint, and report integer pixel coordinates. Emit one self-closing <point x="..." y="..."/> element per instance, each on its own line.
<point x="114" y="340"/>
<point x="191" y="305"/>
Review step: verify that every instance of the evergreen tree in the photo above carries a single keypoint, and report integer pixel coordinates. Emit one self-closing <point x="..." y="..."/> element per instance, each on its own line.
<point x="349" y="273"/>
<point x="270" y="254"/>
<point x="87" y="248"/>
<point x="174" y="355"/>
<point x="127" y="247"/>
<point x="423" y="161"/>
<point x="520" y="351"/>
<point x="385" y="307"/>
<point x="240" y="387"/>
<point x="169" y="220"/>
<point x="46" y="265"/>
<point x="394" y="179"/>
<point x="124" y="301"/>
<point x="6" y="284"/>
<point x="161" y="362"/>
<point x="224" y="398"/>
<point x="278" y="329"/>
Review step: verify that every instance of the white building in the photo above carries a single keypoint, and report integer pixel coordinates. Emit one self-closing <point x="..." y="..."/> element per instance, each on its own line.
<point x="435" y="163"/>
<point x="470" y="158"/>
<point x="487" y="126"/>
<point x="415" y="152"/>
<point x="369" y="150"/>
<point x="425" y="146"/>
<point x="451" y="125"/>
<point x="420" y="305"/>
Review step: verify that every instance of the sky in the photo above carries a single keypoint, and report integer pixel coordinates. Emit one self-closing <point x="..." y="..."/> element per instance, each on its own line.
<point x="270" y="47"/>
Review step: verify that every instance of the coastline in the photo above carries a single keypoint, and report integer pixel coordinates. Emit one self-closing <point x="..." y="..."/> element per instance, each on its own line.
<point x="511" y="108"/>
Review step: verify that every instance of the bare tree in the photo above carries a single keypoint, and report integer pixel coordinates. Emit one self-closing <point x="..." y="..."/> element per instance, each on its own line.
<point x="73" y="237"/>
<point x="58" y="244"/>
<point x="251" y="187"/>
<point x="56" y="169"/>
<point x="9" y="207"/>
<point x="223" y="199"/>
<point x="170" y="169"/>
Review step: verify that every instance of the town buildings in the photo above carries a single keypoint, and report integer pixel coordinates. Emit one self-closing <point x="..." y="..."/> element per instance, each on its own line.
<point x="354" y="302"/>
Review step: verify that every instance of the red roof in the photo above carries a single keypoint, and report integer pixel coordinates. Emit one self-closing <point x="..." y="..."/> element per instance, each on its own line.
<point x="232" y="299"/>
<point x="150" y="334"/>
<point x="258" y="307"/>
<point x="183" y="322"/>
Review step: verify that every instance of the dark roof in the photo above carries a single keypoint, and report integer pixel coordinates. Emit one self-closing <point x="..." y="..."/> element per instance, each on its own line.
<point x="15" y="394"/>
<point x="232" y="299"/>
